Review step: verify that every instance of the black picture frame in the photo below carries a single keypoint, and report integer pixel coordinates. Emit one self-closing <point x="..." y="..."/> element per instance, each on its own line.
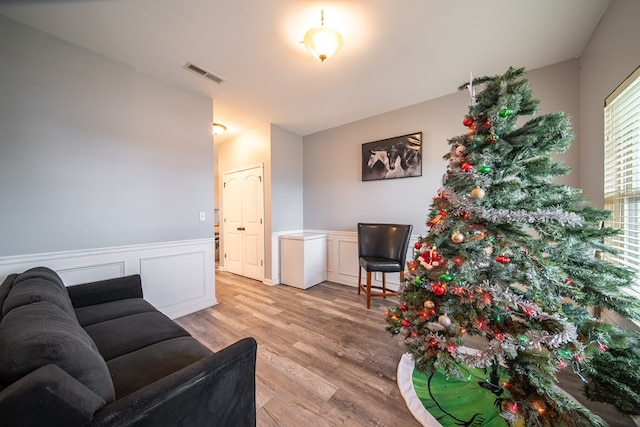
<point x="397" y="157"/>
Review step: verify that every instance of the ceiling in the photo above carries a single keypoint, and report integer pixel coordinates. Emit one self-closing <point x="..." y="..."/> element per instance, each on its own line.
<point x="396" y="52"/>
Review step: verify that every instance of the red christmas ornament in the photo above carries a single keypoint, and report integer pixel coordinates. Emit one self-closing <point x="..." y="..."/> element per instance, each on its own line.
<point x="466" y="166"/>
<point x="438" y="289"/>
<point x="405" y="323"/>
<point x="404" y="307"/>
<point x="487" y="124"/>
<point x="492" y="137"/>
<point x="503" y="259"/>
<point x="467" y="121"/>
<point x="417" y="245"/>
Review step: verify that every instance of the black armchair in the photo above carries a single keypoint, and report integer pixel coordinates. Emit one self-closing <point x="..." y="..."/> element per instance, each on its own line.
<point x="382" y="248"/>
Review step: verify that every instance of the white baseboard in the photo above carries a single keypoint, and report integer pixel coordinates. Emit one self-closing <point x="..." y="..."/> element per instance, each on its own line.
<point x="178" y="278"/>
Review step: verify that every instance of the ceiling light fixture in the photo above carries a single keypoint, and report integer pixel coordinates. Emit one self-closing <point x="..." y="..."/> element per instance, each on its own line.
<point x="218" y="128"/>
<point x="322" y="42"/>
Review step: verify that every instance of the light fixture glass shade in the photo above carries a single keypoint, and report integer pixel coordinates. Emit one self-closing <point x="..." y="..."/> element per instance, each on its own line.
<point x="323" y="42"/>
<point x="218" y="128"/>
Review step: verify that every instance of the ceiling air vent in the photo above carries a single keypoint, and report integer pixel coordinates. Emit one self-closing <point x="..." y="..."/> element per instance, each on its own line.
<point x="203" y="72"/>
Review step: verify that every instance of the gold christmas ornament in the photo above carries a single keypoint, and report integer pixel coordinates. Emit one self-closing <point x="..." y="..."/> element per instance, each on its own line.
<point x="477" y="193"/>
<point x="444" y="320"/>
<point x="457" y="237"/>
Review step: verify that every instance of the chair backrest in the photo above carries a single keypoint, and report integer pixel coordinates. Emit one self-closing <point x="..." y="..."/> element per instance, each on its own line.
<point x="384" y="240"/>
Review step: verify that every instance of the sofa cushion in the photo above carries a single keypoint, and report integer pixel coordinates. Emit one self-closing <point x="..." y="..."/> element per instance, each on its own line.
<point x="40" y="333"/>
<point x="38" y="284"/>
<point x="5" y="288"/>
<point x="142" y="329"/>
<point x="133" y="371"/>
<point x="112" y="310"/>
<point x="48" y="397"/>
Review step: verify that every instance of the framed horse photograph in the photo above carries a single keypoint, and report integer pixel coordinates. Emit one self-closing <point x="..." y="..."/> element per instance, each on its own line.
<point x="397" y="157"/>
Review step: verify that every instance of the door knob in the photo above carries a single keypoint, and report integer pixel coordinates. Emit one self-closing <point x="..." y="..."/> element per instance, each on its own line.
<point x="241" y="228"/>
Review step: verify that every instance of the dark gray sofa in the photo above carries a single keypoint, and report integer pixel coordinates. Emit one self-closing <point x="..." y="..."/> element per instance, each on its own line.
<point x="98" y="354"/>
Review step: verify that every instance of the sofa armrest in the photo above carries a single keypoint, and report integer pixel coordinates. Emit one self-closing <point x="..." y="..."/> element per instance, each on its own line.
<point x="48" y="396"/>
<point x="218" y="390"/>
<point x="105" y="291"/>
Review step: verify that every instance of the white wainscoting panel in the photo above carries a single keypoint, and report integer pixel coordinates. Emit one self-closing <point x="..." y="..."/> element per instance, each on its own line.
<point x="178" y="278"/>
<point x="91" y="273"/>
<point x="275" y="256"/>
<point x="342" y="258"/>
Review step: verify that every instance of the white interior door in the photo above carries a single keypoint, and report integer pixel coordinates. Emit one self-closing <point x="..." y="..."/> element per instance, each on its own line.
<point x="243" y="225"/>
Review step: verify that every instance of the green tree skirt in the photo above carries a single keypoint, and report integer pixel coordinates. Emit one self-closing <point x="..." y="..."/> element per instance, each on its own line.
<point x="456" y="402"/>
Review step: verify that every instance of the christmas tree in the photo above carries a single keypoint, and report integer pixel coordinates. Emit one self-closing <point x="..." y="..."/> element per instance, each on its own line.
<point x="510" y="257"/>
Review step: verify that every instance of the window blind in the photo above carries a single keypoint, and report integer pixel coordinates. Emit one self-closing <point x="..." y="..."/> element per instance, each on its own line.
<point x="622" y="171"/>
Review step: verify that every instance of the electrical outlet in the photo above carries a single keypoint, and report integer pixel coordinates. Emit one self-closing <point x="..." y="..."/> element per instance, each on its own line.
<point x="203" y="217"/>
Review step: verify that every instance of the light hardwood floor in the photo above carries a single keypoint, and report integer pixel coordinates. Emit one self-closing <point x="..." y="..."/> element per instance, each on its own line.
<point x="323" y="358"/>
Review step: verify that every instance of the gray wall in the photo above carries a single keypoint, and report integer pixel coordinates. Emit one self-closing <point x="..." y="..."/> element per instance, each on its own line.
<point x="335" y="198"/>
<point x="94" y="154"/>
<point x="610" y="56"/>
<point x="286" y="180"/>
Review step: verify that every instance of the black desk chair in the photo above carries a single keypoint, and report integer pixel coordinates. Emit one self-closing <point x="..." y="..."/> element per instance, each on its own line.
<point x="383" y="248"/>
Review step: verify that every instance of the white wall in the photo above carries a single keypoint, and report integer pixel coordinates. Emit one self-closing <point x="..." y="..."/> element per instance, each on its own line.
<point x="335" y="197"/>
<point x="250" y="149"/>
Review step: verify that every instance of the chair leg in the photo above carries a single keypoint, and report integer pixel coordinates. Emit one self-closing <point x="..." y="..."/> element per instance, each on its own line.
<point x="384" y="283"/>
<point x="368" y="289"/>
<point x="359" y="279"/>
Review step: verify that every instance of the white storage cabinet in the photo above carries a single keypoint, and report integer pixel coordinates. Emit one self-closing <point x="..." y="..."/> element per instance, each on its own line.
<point x="303" y="259"/>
